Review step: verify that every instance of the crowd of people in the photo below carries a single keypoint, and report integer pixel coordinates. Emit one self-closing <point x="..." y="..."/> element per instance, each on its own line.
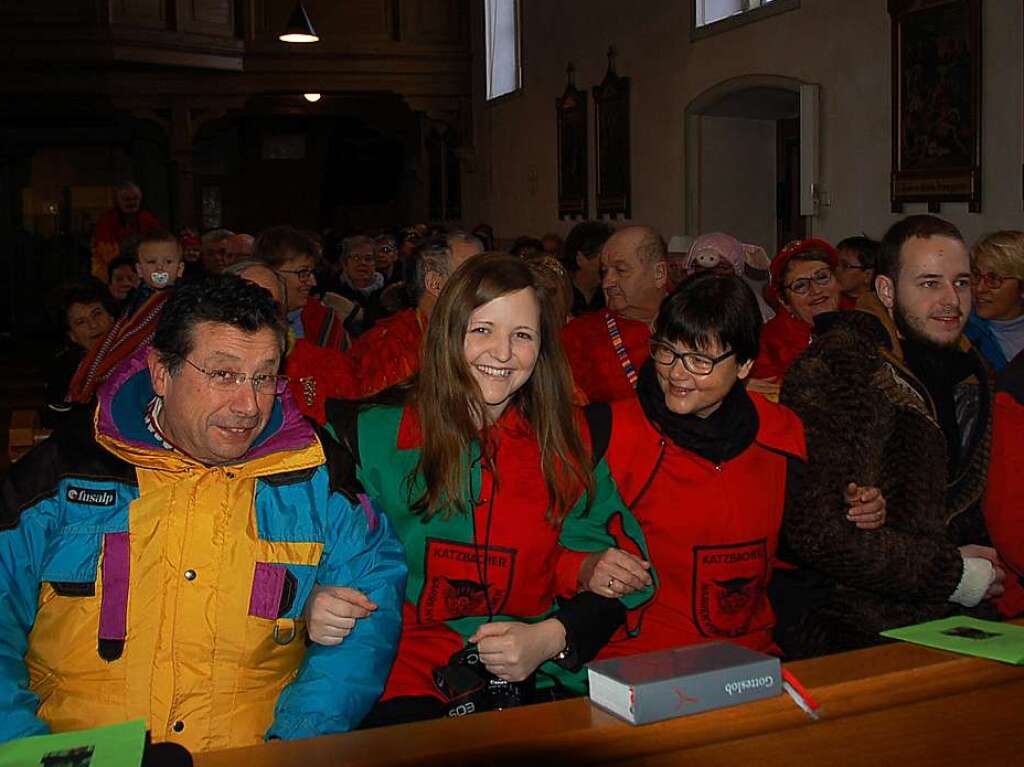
<point x="299" y="487"/>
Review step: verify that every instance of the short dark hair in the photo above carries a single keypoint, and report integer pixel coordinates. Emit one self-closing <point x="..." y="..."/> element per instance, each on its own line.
<point x="223" y="298"/>
<point x="921" y="225"/>
<point x="117" y="263"/>
<point x="84" y="293"/>
<point x="157" y="235"/>
<point x="707" y="308"/>
<point x="865" y="248"/>
<point x="587" y="237"/>
<point x="279" y="244"/>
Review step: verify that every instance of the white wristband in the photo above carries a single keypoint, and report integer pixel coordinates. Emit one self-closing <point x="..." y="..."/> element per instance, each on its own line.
<point x="978" y="576"/>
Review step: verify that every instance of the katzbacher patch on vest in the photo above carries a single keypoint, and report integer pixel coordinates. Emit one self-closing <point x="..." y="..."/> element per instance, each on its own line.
<point x="453" y="580"/>
<point x="728" y="586"/>
<point x="91" y="496"/>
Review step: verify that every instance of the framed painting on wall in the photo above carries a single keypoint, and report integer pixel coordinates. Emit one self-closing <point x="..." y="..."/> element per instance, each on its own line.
<point x="611" y="135"/>
<point x="571" y="116"/>
<point x="936" y="102"/>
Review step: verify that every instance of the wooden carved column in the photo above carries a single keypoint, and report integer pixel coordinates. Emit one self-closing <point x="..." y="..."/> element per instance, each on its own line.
<point x="181" y="162"/>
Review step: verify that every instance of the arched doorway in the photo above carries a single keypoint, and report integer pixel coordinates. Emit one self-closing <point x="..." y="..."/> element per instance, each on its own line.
<point x="751" y="148"/>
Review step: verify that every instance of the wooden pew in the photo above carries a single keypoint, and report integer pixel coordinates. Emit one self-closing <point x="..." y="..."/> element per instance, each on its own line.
<point x="25" y="433"/>
<point x="897" y="702"/>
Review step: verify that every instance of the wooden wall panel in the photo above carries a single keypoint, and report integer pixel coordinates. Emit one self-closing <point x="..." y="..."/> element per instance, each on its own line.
<point x="207" y="17"/>
<point x="15" y="12"/>
<point x="434" y="21"/>
<point x="139" y="13"/>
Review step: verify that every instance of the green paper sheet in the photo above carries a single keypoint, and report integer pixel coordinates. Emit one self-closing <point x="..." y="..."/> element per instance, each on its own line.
<point x="117" y="745"/>
<point x="970" y="636"/>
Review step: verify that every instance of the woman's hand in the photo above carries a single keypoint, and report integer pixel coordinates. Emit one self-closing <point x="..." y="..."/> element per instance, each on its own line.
<point x="332" y="611"/>
<point x="867" y="506"/>
<point x="613" y="573"/>
<point x="512" y="651"/>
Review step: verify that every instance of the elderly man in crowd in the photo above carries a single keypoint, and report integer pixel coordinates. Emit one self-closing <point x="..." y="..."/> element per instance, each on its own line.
<point x="606" y="348"/>
<point x="891" y="395"/>
<point x="126" y="219"/>
<point x="156" y="565"/>
<point x="387" y="354"/>
<point x="214" y="250"/>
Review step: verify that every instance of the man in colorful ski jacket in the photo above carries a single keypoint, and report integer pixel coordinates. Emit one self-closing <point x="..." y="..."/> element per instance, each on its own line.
<point x="156" y="562"/>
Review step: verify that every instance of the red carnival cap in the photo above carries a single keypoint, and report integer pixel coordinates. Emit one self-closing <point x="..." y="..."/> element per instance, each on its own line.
<point x="778" y="265"/>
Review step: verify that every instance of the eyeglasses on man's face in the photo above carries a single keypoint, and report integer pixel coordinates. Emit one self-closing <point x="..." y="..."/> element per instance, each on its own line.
<point x="821" y="277"/>
<point x="695" y="362"/>
<point x="230" y="380"/>
<point x="303" y="275"/>
<point x="990" y="280"/>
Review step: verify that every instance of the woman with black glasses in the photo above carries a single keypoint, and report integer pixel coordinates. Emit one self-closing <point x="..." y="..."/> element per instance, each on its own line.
<point x="704" y="467"/>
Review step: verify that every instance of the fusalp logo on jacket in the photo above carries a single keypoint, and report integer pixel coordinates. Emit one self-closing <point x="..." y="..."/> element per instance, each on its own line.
<point x="91" y="496"/>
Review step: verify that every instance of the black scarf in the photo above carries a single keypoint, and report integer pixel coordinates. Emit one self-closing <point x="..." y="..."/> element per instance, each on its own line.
<point x="940" y="370"/>
<point x="721" y="436"/>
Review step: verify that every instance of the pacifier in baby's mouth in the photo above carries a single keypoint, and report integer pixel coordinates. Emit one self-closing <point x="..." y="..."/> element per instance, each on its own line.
<point x="160" y="279"/>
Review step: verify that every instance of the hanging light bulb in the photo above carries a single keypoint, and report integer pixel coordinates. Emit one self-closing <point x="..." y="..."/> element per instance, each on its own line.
<point x="312" y="98"/>
<point x="300" y="28"/>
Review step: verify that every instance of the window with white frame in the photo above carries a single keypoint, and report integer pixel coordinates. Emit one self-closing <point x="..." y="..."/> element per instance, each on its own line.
<point x="710" y="11"/>
<point x="501" y="43"/>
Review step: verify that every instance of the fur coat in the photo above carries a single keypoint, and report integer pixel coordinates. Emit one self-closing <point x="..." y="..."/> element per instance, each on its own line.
<point x="869" y="420"/>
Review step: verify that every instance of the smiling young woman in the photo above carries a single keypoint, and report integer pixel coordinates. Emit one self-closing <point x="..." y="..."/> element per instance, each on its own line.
<point x="485" y="475"/>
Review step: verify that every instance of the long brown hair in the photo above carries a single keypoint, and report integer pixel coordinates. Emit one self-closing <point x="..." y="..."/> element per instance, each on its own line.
<point x="451" y="408"/>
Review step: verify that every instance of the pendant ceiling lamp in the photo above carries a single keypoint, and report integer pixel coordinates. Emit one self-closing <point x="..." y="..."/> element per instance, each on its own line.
<point x="300" y="28"/>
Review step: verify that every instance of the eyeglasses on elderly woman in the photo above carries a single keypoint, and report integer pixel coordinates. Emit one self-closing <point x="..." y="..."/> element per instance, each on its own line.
<point x="821" y="277"/>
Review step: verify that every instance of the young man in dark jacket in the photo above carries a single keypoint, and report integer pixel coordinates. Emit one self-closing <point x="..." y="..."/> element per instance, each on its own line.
<point x="891" y="396"/>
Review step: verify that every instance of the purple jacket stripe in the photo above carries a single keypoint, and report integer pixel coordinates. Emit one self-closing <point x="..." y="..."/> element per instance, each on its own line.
<point x="114" y="607"/>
